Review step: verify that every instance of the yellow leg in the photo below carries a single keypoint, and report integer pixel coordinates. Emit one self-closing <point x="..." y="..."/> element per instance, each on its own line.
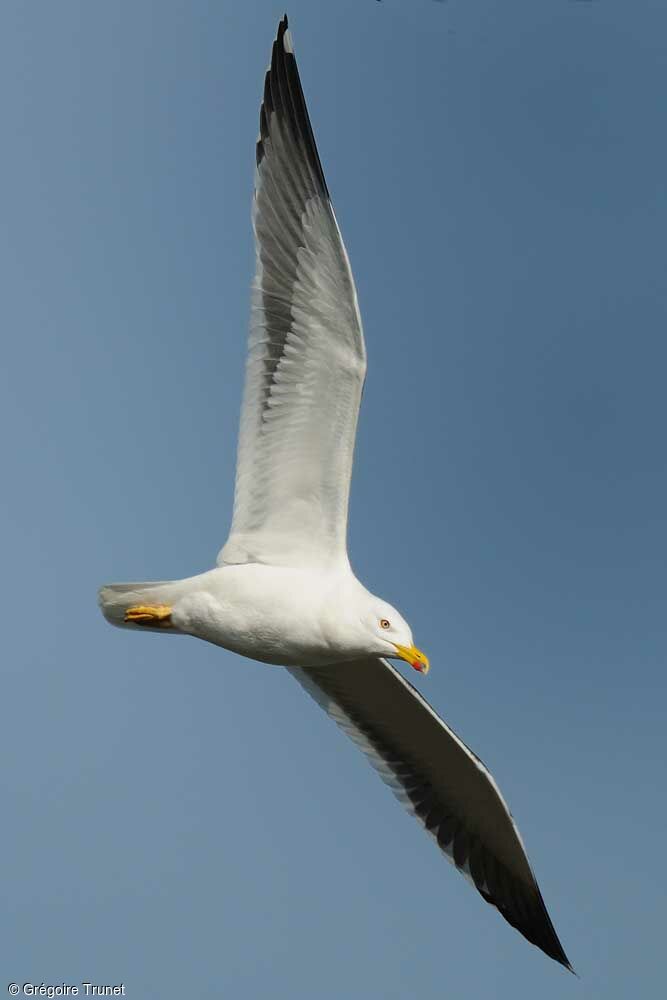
<point x="158" y="616"/>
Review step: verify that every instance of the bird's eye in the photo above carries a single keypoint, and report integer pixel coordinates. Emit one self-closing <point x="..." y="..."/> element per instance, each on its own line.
<point x="385" y="623"/>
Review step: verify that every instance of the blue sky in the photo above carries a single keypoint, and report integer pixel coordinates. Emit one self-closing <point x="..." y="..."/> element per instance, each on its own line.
<point x="187" y="822"/>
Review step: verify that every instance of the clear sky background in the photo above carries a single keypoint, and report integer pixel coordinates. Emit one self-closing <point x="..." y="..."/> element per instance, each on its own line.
<point x="187" y="822"/>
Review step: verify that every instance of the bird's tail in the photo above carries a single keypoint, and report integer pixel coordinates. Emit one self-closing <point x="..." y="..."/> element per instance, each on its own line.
<point x="116" y="599"/>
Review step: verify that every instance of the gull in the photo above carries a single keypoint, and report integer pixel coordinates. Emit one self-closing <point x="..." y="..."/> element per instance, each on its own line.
<point x="283" y="591"/>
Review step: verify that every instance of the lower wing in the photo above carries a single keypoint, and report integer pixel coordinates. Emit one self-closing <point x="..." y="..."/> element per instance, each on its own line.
<point x="441" y="782"/>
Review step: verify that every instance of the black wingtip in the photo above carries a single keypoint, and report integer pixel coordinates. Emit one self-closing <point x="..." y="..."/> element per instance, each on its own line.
<point x="565" y="962"/>
<point x="284" y="99"/>
<point x="559" y="956"/>
<point x="283" y="28"/>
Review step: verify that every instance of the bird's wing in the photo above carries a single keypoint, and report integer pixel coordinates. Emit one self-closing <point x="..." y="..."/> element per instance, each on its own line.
<point x="306" y="357"/>
<point x="443" y="783"/>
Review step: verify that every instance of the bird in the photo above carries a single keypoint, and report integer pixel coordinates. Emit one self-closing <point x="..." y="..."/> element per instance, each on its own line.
<point x="283" y="590"/>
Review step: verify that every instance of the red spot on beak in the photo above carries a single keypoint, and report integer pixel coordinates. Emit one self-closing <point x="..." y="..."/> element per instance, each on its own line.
<point x="417" y="665"/>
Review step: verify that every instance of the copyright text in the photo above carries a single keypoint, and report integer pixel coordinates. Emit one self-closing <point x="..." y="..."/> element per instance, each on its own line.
<point x="83" y="989"/>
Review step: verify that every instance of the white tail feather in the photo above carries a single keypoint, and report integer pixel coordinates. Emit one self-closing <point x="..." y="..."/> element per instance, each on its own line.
<point x="115" y="598"/>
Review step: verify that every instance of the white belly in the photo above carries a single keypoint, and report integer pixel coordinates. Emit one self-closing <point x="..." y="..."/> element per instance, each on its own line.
<point x="267" y="613"/>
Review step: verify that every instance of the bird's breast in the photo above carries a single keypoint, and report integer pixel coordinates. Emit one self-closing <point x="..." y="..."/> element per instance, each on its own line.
<point x="268" y="616"/>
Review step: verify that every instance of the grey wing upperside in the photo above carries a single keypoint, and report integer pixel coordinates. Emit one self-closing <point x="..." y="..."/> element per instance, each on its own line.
<point x="441" y="782"/>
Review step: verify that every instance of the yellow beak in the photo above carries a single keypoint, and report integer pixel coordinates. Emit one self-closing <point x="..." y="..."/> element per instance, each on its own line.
<point x="414" y="657"/>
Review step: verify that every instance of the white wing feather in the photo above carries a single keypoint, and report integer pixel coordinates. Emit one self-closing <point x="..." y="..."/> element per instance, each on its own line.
<point x="306" y="357"/>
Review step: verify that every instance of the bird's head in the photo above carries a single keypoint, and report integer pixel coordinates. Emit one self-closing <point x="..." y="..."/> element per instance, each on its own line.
<point x="391" y="636"/>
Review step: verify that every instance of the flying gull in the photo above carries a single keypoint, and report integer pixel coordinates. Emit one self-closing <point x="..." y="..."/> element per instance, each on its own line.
<point x="283" y="591"/>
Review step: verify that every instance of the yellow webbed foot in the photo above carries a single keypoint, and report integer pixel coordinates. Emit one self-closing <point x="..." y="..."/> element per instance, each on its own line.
<point x="158" y="616"/>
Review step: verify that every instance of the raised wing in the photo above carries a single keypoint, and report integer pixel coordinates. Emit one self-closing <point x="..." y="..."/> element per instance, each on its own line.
<point x="306" y="356"/>
<point x="440" y="781"/>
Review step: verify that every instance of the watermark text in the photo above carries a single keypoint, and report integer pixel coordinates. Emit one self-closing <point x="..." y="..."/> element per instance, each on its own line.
<point x="82" y="989"/>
